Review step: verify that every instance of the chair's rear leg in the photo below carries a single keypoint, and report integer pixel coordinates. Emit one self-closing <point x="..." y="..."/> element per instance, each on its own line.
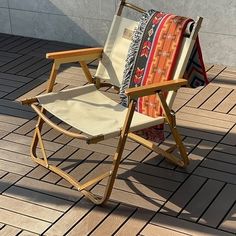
<point x="179" y="145"/>
<point x="171" y="120"/>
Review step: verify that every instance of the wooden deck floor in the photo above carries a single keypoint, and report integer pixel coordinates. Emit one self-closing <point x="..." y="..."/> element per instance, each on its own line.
<point x="151" y="197"/>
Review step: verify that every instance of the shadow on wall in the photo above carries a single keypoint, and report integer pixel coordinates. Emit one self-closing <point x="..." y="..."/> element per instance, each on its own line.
<point x="81" y="22"/>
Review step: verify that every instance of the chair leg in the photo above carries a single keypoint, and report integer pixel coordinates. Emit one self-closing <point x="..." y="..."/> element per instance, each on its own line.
<point x="165" y="153"/>
<point x="118" y="154"/>
<point x="180" y="146"/>
<point x="37" y="140"/>
<point x="171" y="120"/>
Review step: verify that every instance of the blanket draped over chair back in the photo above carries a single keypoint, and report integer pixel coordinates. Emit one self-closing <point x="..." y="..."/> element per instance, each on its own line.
<point x="152" y="58"/>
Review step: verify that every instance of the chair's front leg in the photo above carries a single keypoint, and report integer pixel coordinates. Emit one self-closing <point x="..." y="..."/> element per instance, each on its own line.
<point x="119" y="151"/>
<point x="37" y="139"/>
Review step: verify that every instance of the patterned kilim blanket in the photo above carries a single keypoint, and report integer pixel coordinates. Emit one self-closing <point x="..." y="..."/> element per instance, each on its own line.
<point x="152" y="58"/>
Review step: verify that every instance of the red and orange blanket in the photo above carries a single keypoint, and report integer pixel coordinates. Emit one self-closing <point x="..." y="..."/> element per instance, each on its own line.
<point x="152" y="58"/>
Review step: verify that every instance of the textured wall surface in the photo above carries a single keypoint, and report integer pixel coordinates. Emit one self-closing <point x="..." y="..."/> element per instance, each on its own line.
<point x="87" y="21"/>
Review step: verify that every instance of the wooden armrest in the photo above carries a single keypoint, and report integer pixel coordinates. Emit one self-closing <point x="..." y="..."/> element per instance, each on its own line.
<point x="150" y="89"/>
<point x="87" y="53"/>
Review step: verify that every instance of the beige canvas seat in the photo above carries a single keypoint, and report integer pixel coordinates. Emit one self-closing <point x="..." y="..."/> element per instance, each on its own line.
<point x="97" y="117"/>
<point x="106" y="115"/>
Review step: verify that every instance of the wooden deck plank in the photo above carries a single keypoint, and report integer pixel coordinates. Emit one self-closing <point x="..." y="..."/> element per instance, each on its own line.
<point x="151" y="229"/>
<point x="14" y="167"/>
<point x="225" y="80"/>
<point x="21" y="67"/>
<point x="54" y="190"/>
<point x="209" y="114"/>
<point x="186" y="130"/>
<point x="7" y="41"/>
<point x="2" y="173"/>
<point x="29" y="209"/>
<point x="22" y="46"/>
<point x="22" y="221"/>
<point x="7" y="89"/>
<point x="101" y="148"/>
<point x="153" y="170"/>
<point x="7" y="127"/>
<point x="42" y="71"/>
<point x="136" y="222"/>
<point x="8" y="56"/>
<point x="219" y="165"/>
<point x="13" y="119"/>
<point x="114" y="221"/>
<point x="70" y="218"/>
<point x="226" y="148"/>
<point x="227" y="104"/>
<point x="24" y="140"/>
<point x="16" y="147"/>
<point x="139" y="154"/>
<point x="9" y="230"/>
<point x="24" y="89"/>
<point x="14" y="78"/>
<point x="32" y="47"/>
<point x="211" y="128"/>
<point x="130" y="145"/>
<point x="131" y="199"/>
<point x="233" y="111"/>
<point x="149" y="180"/>
<point x="215" y="174"/>
<point x="201" y="200"/>
<point x="219" y="156"/>
<point x="228" y="223"/>
<point x="139" y="188"/>
<point x="197" y="155"/>
<point x="45" y="199"/>
<point x="202" y="96"/>
<point x="28" y="127"/>
<point x="16" y="84"/>
<point x="220" y="206"/>
<point x="183" y="195"/>
<point x="95" y="217"/>
<point x="20" y="41"/>
<point x="2" y="94"/>
<point x="27" y="233"/>
<point x="8" y="180"/>
<point x="214" y="71"/>
<point x="32" y="68"/>
<point x="216" y="99"/>
<point x="11" y="65"/>
<point x="184" y="227"/>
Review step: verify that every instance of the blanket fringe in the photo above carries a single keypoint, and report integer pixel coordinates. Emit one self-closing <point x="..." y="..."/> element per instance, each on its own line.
<point x="132" y="54"/>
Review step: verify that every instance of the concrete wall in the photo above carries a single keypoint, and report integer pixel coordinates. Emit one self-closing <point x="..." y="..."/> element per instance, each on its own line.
<point x="87" y="21"/>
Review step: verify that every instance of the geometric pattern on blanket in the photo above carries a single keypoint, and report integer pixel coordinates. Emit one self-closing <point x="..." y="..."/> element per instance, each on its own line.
<point x="152" y="58"/>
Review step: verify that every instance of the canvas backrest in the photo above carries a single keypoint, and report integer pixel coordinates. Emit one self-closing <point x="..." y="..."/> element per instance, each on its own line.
<point x="112" y="64"/>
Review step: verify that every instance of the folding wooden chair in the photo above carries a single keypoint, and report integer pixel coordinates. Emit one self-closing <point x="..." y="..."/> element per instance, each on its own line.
<point x="97" y="116"/>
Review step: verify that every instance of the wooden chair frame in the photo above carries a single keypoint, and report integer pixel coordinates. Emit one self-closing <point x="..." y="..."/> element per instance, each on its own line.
<point x="82" y="56"/>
